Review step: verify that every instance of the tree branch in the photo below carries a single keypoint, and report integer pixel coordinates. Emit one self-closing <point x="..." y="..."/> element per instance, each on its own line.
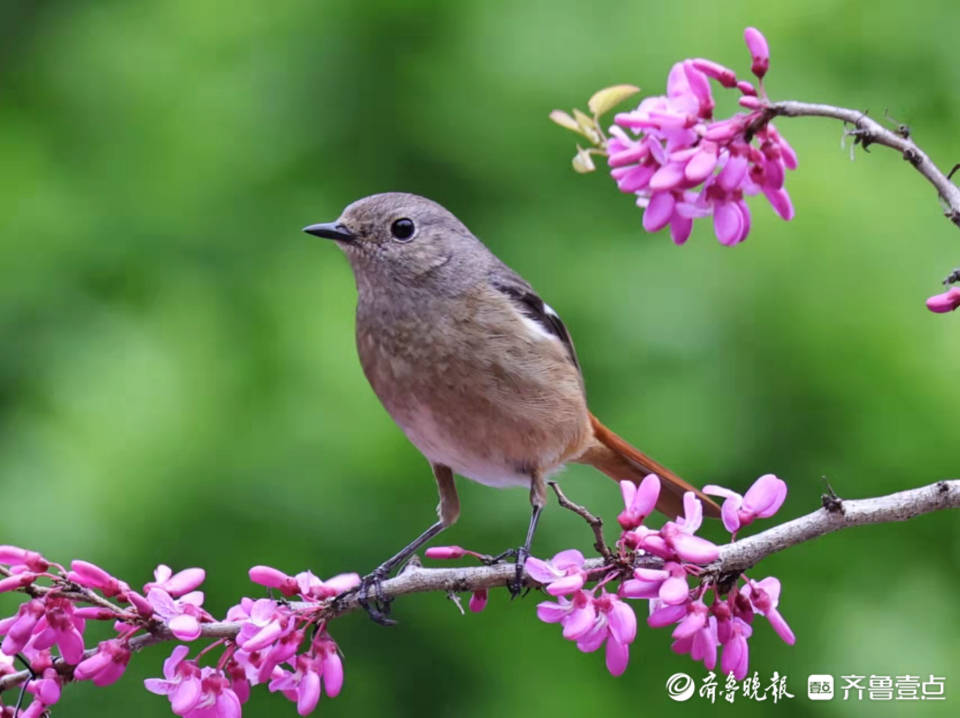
<point x="734" y="558"/>
<point x="867" y="132"/>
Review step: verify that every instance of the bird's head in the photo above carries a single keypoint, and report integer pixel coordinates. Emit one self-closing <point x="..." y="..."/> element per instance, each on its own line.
<point x="400" y="237"/>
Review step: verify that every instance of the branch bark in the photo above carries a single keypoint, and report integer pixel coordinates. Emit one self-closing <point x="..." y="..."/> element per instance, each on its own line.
<point x="734" y="558"/>
<point x="868" y="132"/>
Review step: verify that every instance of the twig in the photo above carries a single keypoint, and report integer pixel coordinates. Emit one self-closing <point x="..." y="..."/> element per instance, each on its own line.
<point x="742" y="555"/>
<point x="72" y="591"/>
<point x="868" y="132"/>
<point x="734" y="559"/>
<point x="595" y="523"/>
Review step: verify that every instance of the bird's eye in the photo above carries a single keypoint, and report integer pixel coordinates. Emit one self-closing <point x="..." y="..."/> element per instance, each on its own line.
<point x="402" y="229"/>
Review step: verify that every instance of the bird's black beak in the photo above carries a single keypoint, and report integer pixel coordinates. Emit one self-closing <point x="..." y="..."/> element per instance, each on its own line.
<point x="331" y="230"/>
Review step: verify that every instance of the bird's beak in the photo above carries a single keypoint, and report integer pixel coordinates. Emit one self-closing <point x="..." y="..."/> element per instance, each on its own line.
<point x="331" y="230"/>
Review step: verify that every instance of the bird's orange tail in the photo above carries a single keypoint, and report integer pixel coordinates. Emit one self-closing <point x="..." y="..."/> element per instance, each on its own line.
<point x="622" y="462"/>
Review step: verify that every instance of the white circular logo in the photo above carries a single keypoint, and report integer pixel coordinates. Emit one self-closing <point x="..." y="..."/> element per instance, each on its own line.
<point x="680" y="687"/>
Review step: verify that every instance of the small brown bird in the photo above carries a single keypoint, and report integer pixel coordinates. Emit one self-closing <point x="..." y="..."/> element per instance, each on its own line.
<point x="478" y="372"/>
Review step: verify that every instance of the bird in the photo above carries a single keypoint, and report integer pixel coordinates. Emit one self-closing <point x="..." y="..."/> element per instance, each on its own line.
<point x="477" y="370"/>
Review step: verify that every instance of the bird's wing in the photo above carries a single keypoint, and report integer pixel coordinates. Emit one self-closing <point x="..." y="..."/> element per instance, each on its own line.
<point x="530" y="305"/>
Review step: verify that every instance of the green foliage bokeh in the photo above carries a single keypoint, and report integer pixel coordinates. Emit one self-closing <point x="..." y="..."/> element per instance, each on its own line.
<point x="179" y="383"/>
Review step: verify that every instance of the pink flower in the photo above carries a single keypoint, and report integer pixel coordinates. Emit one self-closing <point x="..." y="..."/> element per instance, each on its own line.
<point x="175" y="584"/>
<point x="736" y="653"/>
<point x="724" y="75"/>
<point x="304" y="583"/>
<point x="639" y="501"/>
<point x="18" y="629"/>
<point x="762" y="500"/>
<point x="593" y="622"/>
<point x="576" y="614"/>
<point x="45" y="689"/>
<point x="17" y="581"/>
<point x="478" y="600"/>
<point x="106" y="665"/>
<point x="180" y="683"/>
<point x="676" y="540"/>
<point x="303" y="685"/>
<point x="445" y="552"/>
<point x="182" y="615"/>
<point x="274" y="578"/>
<point x="268" y="636"/>
<point x="759" y="51"/>
<point x="195" y="692"/>
<point x="614" y="624"/>
<point x="218" y="699"/>
<point x="668" y="584"/>
<point x="946" y="302"/>
<point x="262" y="622"/>
<point x="90" y="575"/>
<point x="14" y="556"/>
<point x="311" y="587"/>
<point x="765" y="595"/>
<point x="700" y="641"/>
<point x="60" y="626"/>
<point x="562" y="575"/>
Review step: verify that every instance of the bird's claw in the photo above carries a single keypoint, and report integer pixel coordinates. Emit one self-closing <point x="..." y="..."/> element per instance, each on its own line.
<point x="499" y="558"/>
<point x="516" y="585"/>
<point x="379" y="608"/>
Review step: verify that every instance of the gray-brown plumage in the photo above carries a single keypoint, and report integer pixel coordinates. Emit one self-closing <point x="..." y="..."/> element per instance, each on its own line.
<point x="479" y="373"/>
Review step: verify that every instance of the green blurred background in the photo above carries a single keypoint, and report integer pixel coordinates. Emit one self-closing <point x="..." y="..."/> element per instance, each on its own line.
<point x="179" y="381"/>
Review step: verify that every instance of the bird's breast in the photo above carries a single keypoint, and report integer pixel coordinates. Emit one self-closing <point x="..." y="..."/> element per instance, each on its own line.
<point x="475" y="391"/>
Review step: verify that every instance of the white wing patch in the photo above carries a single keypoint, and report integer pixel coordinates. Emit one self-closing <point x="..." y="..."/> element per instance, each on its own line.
<point x="538" y="328"/>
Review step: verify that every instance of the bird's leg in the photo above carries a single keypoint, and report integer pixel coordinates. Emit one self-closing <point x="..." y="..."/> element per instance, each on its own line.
<point x="538" y="499"/>
<point x="448" y="511"/>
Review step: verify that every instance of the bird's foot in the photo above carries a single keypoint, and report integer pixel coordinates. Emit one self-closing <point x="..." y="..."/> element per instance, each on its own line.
<point x="516" y="585"/>
<point x="371" y="587"/>
<point x="499" y="558"/>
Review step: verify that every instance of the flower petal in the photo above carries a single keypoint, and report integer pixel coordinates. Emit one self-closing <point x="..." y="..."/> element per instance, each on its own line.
<point x="579" y="621"/>
<point x="727" y="223"/>
<point x="184" y="581"/>
<point x="766" y="496"/>
<point x="674" y="591"/>
<point x="184" y="627"/>
<point x="618" y="656"/>
<point x="658" y="212"/>
<point x="186" y="696"/>
<point x="332" y="669"/>
<point x="695" y="549"/>
<point x="566" y="585"/>
<point x="308" y="693"/>
<point x="623" y="622"/>
<point x="570" y="557"/>
<point x="666" y="615"/>
<point x="550" y="612"/>
<point x="540" y="570"/>
<point x="730" y="512"/>
<point x="780" y="626"/>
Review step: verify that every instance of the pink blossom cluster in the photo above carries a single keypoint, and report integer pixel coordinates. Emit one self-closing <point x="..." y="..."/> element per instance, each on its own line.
<point x="682" y="164"/>
<point x="286" y="647"/>
<point x="283" y="645"/>
<point x="52" y="619"/>
<point x="592" y="618"/>
<point x="595" y="617"/>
